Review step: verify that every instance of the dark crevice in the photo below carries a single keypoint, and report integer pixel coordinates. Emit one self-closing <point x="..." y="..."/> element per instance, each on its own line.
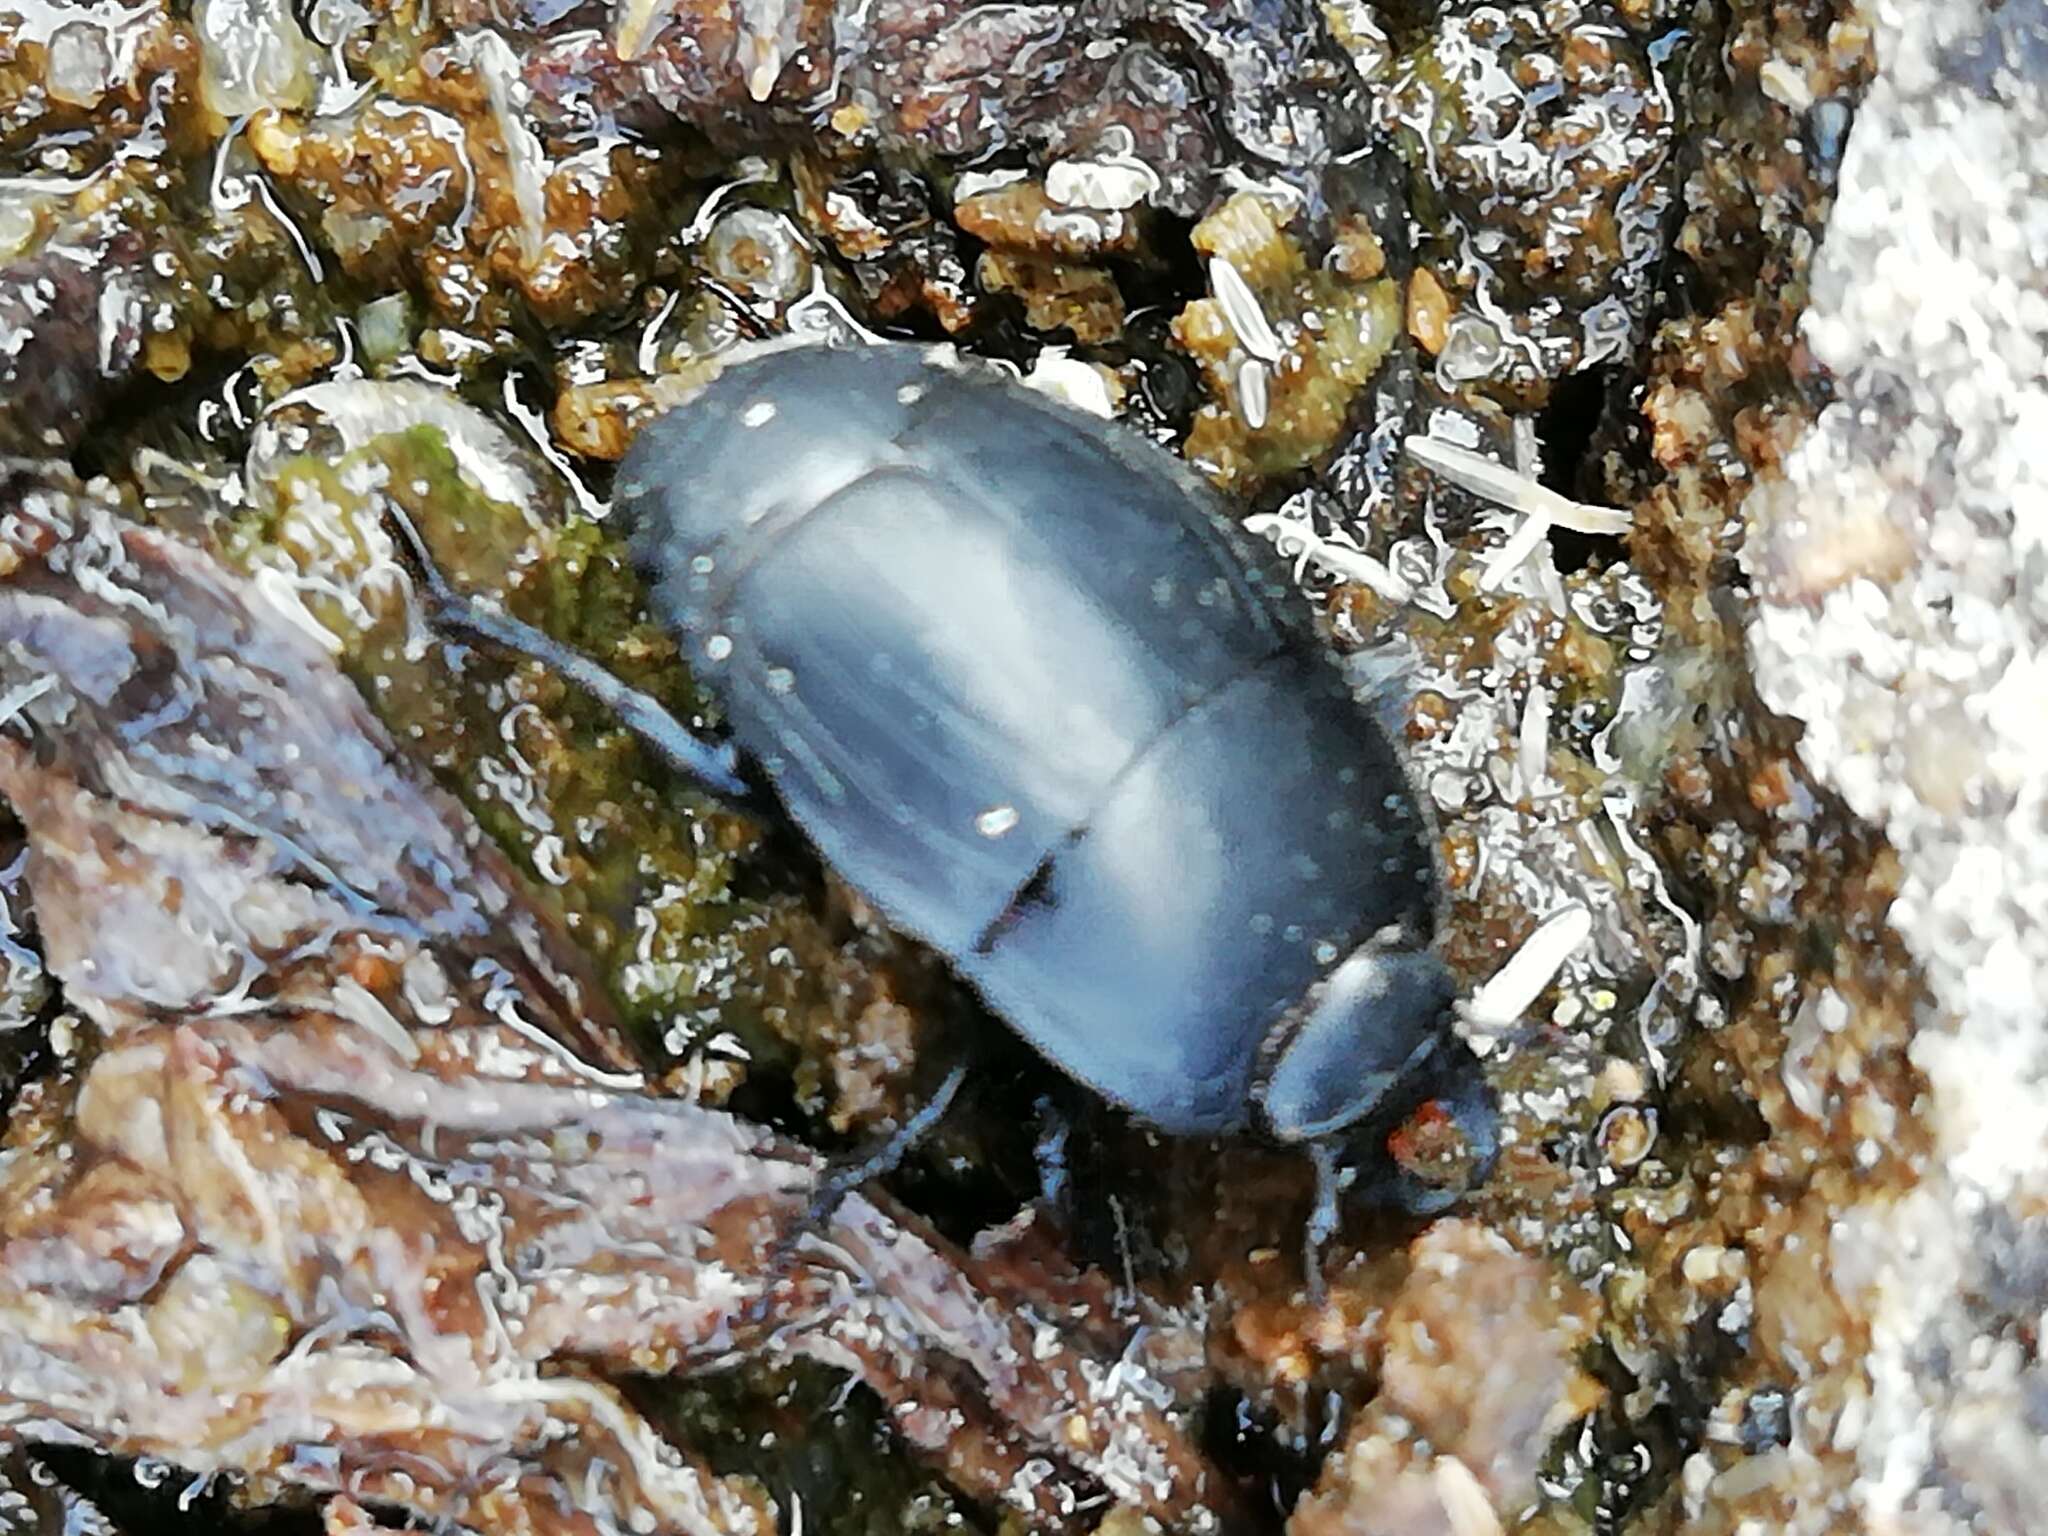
<point x="1270" y="1469"/>
<point x="163" y="1501"/>
<point x="1567" y="427"/>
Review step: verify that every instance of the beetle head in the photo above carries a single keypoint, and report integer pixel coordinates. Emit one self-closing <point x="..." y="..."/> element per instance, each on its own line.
<point x="1374" y="1061"/>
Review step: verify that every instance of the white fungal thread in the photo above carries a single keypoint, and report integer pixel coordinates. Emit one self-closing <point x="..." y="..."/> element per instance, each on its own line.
<point x="361" y="1007"/>
<point x="1532" y="746"/>
<point x="15" y="700"/>
<point x="648" y="356"/>
<point x="592" y="507"/>
<point x="1539" y="507"/>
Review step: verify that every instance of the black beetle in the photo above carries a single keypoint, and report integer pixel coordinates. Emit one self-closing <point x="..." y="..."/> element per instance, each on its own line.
<point x="1029" y="691"/>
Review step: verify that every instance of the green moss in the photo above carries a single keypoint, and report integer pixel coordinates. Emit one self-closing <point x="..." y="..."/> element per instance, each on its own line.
<point x="634" y="862"/>
<point x="810" y="1438"/>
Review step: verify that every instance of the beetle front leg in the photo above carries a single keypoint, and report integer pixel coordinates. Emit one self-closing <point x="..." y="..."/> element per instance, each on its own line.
<point x="713" y="765"/>
<point x="845" y="1178"/>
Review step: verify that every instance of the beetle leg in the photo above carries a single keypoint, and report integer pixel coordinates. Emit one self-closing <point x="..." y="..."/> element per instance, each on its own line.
<point x="1322" y="1219"/>
<point x="714" y="765"/>
<point x="847" y="1177"/>
<point x="842" y="1179"/>
<point x="1050" y="1153"/>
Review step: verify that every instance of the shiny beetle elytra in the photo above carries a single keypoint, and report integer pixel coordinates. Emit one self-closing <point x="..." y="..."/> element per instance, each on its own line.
<point x="1025" y="688"/>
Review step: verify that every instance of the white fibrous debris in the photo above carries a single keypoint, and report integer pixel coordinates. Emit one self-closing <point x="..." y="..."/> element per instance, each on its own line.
<point x="1522" y="562"/>
<point x="1242" y="309"/>
<point x="1903" y="619"/>
<point x="1532" y="756"/>
<point x="1465" y="1502"/>
<point x="1530" y="534"/>
<point x="1295" y="538"/>
<point x="1539" y="507"/>
<point x="1505" y="997"/>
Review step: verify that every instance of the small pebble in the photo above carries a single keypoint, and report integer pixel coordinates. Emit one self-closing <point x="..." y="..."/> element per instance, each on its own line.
<point x="1429" y="311"/>
<point x="80" y="66"/>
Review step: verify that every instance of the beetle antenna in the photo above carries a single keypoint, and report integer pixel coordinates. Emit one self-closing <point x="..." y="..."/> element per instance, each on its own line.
<point x="714" y="765"/>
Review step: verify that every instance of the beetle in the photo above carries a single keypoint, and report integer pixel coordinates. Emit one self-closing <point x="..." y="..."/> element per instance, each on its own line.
<point x="1021" y="682"/>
